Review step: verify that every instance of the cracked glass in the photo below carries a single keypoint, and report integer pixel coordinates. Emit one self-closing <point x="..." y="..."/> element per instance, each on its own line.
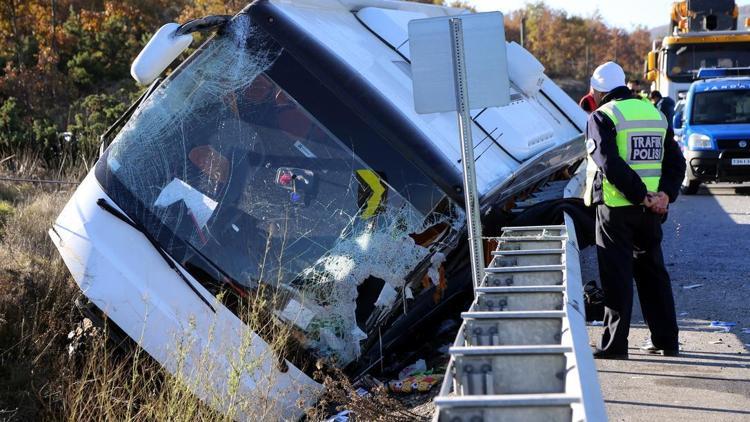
<point x="221" y="163"/>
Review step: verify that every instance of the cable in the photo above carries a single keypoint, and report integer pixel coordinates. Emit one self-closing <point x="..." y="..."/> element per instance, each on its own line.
<point x="25" y="180"/>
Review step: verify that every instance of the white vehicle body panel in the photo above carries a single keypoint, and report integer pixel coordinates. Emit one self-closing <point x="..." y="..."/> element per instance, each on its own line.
<point x="121" y="273"/>
<point x="542" y="127"/>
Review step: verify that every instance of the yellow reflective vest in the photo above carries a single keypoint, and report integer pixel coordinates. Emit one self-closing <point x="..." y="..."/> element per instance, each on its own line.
<point x="641" y="130"/>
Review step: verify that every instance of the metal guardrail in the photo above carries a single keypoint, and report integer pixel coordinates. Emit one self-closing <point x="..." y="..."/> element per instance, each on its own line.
<point x="522" y="352"/>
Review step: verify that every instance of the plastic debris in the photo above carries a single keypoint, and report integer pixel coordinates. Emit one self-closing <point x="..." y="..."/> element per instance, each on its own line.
<point x="421" y="383"/>
<point x="417" y="367"/>
<point x="683" y="313"/>
<point x="362" y="392"/>
<point x="692" y="286"/>
<point x="597" y="323"/>
<point x="746" y="331"/>
<point x="719" y="341"/>
<point x="342" y="416"/>
<point x="724" y="325"/>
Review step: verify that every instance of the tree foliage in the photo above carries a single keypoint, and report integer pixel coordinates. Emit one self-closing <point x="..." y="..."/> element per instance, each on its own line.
<point x="572" y="46"/>
<point x="56" y="54"/>
<point x="64" y="64"/>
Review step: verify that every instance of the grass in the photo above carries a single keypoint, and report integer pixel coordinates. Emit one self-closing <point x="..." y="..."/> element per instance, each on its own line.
<point x="36" y="313"/>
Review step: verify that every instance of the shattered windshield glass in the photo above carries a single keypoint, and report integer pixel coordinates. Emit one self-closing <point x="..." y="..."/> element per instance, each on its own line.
<point x="221" y="162"/>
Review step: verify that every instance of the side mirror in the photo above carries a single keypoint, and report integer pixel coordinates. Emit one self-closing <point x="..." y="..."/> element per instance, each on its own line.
<point x="168" y="42"/>
<point x="677" y="120"/>
<point x="163" y="47"/>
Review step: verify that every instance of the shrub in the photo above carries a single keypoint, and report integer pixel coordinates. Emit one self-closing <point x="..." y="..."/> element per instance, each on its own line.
<point x="13" y="130"/>
<point x="6" y="211"/>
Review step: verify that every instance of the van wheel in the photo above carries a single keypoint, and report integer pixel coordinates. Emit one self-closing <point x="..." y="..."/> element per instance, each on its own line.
<point x="690" y="187"/>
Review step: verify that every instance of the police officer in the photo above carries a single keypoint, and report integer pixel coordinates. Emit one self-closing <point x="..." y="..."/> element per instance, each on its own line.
<point x="634" y="86"/>
<point x="634" y="171"/>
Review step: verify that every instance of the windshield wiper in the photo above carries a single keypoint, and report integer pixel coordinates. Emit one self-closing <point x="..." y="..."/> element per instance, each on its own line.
<point x="103" y="204"/>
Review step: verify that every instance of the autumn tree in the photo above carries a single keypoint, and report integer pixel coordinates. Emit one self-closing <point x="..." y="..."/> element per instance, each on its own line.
<point x="572" y="46"/>
<point x="55" y="53"/>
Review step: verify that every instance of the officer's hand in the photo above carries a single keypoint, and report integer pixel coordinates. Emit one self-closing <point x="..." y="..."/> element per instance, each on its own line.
<point x="649" y="200"/>
<point x="660" y="203"/>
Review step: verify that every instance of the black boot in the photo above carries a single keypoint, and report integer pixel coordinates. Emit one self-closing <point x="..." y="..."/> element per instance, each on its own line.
<point x="603" y="354"/>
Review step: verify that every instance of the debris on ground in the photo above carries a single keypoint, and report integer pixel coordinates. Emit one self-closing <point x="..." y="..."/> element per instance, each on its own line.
<point x="692" y="286"/>
<point x="724" y="325"/>
<point x="78" y="337"/>
<point x="342" y="416"/>
<point x="362" y="392"/>
<point x="683" y="313"/>
<point x="415" y="378"/>
<point x="367" y="400"/>
<point x="719" y="341"/>
<point x="746" y="331"/>
<point x="420" y="366"/>
<point x="419" y="383"/>
<point x="597" y="323"/>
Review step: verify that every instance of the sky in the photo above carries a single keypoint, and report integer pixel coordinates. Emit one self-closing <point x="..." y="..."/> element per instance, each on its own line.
<point x="622" y="13"/>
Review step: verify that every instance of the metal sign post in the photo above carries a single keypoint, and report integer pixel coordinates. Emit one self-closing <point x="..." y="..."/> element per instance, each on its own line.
<point x="471" y="198"/>
<point x="458" y="62"/>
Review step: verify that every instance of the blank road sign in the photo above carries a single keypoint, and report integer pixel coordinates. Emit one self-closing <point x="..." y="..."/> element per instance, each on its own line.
<point x="430" y="45"/>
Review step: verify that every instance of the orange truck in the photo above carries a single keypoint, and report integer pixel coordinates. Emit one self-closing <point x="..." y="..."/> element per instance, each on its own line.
<point x="702" y="34"/>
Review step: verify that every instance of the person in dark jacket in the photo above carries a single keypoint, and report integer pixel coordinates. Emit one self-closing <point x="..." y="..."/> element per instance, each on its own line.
<point x="664" y="104"/>
<point x="634" y="172"/>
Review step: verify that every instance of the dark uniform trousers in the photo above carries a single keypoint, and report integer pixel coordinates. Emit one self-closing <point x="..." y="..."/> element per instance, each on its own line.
<point x="628" y="243"/>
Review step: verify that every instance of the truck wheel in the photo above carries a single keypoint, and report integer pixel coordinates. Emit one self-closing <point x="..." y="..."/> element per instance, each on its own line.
<point x="690" y="187"/>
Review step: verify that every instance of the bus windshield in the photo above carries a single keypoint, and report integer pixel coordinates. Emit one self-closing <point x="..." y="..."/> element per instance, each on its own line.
<point x="223" y="165"/>
<point x="717" y="107"/>
<point x="684" y="61"/>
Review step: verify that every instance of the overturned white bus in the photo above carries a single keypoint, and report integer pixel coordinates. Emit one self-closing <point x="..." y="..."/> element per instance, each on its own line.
<point x="282" y="165"/>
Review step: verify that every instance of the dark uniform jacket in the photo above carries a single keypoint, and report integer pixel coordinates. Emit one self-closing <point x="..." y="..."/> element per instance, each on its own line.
<point x="601" y="130"/>
<point x="666" y="106"/>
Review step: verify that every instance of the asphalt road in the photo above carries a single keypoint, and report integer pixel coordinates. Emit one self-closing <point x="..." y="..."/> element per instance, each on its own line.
<point x="707" y="251"/>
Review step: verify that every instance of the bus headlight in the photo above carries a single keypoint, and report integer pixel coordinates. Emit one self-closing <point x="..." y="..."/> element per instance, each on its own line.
<point x="699" y="141"/>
